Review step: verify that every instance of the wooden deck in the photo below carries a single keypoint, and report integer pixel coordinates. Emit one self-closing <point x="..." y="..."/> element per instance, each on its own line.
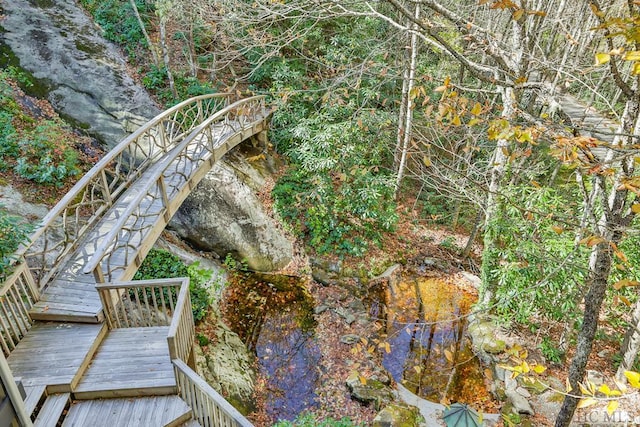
<point x="157" y="411"/>
<point x="55" y="354"/>
<point x="129" y="362"/>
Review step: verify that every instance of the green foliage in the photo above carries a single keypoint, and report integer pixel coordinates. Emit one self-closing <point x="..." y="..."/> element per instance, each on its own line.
<point x="118" y="22"/>
<point x="537" y="266"/>
<point x="39" y="150"/>
<point x="44" y="155"/>
<point x="309" y="420"/>
<point x="187" y="86"/>
<point x="338" y="195"/>
<point x="550" y="351"/>
<point x="160" y="264"/>
<point x="13" y="232"/>
<point x="232" y="264"/>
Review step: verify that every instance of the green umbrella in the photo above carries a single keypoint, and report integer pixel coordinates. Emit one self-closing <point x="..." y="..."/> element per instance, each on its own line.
<point x="461" y="415"/>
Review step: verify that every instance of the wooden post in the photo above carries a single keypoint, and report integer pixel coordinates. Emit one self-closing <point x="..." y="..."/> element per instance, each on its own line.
<point x="15" y="398"/>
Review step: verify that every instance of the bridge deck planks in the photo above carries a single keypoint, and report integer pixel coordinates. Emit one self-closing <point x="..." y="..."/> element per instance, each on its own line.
<point x="129" y="362"/>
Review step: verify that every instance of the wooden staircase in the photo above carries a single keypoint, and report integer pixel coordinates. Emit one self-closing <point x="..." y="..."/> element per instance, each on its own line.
<point x="123" y="377"/>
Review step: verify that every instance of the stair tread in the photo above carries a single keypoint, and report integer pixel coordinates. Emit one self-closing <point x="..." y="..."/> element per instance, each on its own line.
<point x="150" y="411"/>
<point x="52" y="410"/>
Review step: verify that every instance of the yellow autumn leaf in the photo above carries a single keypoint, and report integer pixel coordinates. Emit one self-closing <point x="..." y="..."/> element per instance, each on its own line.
<point x="635" y="208"/>
<point x="558" y="230"/>
<point x="427" y="161"/>
<point x="456" y="120"/>
<point x="602" y="58"/>
<point x="448" y="355"/>
<point x="625" y="283"/>
<point x="636" y="68"/>
<point x="568" y="387"/>
<point x="518" y="14"/>
<point x="584" y="390"/>
<point x="362" y="379"/>
<point x="387" y="348"/>
<point x="538" y="369"/>
<point x="612" y="406"/>
<point x="604" y="389"/>
<point x="589" y="401"/>
<point x="633" y="378"/>
<point x="417" y="368"/>
<point x="477" y="109"/>
<point x="632" y="55"/>
<point x="474" y="122"/>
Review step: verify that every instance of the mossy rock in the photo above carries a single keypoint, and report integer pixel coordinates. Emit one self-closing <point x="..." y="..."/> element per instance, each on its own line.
<point x="395" y="415"/>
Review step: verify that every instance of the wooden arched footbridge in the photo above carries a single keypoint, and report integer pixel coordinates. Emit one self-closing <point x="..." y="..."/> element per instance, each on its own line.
<point x="86" y="345"/>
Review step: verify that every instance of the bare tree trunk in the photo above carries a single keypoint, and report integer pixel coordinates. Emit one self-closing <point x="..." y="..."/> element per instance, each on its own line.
<point x="498" y="162"/>
<point x="165" y="56"/>
<point x="152" y="48"/>
<point x="408" y="110"/>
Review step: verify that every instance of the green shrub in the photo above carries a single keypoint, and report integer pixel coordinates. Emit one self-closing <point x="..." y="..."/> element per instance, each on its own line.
<point x="13" y="232"/>
<point x="45" y="157"/>
<point x="160" y="264"/>
<point x="118" y="22"/>
<point x="309" y="420"/>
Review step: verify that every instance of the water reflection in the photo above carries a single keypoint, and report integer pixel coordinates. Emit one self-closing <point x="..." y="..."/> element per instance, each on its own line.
<point x="430" y="354"/>
<point x="273" y="315"/>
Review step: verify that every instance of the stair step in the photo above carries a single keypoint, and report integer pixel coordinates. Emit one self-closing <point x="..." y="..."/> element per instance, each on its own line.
<point x="155" y="411"/>
<point x="62" y="312"/>
<point x="130" y="362"/>
<point x="51" y="410"/>
<point x="33" y="398"/>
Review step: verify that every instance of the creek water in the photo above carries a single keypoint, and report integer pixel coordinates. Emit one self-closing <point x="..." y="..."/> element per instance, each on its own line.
<point x="273" y="315"/>
<point x="429" y="351"/>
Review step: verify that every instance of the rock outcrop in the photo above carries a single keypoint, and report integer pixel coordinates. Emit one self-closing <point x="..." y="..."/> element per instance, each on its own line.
<point x="224" y="215"/>
<point x="82" y="75"/>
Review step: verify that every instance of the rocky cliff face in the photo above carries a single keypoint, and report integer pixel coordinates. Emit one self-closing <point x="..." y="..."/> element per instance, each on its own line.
<point x="82" y="75"/>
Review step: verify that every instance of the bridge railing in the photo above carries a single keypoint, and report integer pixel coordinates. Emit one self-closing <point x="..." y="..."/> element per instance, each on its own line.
<point x="209" y="408"/>
<point x="17" y="295"/>
<point x="63" y="227"/>
<point x="121" y="250"/>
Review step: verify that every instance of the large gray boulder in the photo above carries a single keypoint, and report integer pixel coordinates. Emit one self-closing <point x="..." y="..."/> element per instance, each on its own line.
<point x="224" y="215"/>
<point x="83" y="76"/>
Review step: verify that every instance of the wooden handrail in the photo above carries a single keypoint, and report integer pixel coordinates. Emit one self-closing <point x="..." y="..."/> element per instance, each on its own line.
<point x="143" y="303"/>
<point x="156" y="179"/>
<point x="103" y="162"/>
<point x="17" y="295"/>
<point x="209" y="407"/>
<point x="181" y="333"/>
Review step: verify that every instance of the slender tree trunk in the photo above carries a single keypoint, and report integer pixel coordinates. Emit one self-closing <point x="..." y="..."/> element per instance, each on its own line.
<point x="152" y="47"/>
<point x="408" y="111"/>
<point x="499" y="162"/>
<point x="613" y="222"/>
<point x="165" y="56"/>
<point x="599" y="268"/>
